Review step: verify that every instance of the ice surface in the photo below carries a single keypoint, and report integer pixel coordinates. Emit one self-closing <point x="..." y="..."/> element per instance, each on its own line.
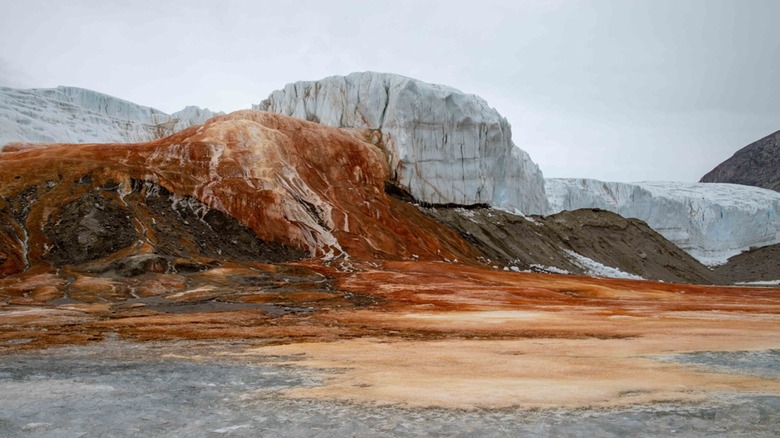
<point x="444" y="146"/>
<point x="77" y="115"/>
<point x="712" y="222"/>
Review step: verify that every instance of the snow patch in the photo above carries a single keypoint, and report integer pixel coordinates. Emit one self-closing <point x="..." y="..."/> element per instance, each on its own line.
<point x="759" y="283"/>
<point x="549" y="269"/>
<point x="596" y="269"/>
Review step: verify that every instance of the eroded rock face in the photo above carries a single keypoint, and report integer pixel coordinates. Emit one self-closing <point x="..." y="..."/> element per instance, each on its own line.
<point x="757" y="164"/>
<point x="444" y="146"/>
<point x="76" y="115"/>
<point x="163" y="231"/>
<point x="712" y="222"/>
<point x="88" y="228"/>
<point x="249" y="185"/>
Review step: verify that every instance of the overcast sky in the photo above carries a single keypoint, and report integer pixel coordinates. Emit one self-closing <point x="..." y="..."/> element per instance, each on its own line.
<point x="616" y="90"/>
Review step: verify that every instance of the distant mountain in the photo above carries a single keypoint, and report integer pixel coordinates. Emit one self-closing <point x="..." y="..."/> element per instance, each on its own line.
<point x="77" y="115"/>
<point x="757" y="164"/>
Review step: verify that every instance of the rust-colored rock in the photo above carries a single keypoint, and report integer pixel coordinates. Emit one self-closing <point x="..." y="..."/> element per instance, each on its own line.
<point x="297" y="186"/>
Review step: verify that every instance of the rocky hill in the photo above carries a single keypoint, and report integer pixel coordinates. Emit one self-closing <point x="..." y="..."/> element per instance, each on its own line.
<point x="76" y="115"/>
<point x="756" y="265"/>
<point x="712" y="222"/>
<point x="757" y="164"/>
<point x="248" y="185"/>
<point x="584" y="242"/>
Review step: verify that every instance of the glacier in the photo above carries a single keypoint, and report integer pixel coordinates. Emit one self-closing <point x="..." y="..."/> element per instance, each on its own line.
<point x="77" y="115"/>
<point x="443" y="146"/>
<point x="710" y="221"/>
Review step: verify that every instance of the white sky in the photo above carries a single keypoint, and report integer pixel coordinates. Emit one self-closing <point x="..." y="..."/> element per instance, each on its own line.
<point x="620" y="90"/>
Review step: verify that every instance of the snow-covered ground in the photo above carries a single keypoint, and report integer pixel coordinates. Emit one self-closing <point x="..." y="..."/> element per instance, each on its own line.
<point x="712" y="222"/>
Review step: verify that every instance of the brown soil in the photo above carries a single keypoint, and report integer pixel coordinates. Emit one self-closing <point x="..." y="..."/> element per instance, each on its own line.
<point x="539" y="242"/>
<point x="758" y="264"/>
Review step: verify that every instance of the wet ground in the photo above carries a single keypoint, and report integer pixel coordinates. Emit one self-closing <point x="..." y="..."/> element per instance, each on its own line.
<point x="764" y="363"/>
<point x="401" y="349"/>
<point x="123" y="389"/>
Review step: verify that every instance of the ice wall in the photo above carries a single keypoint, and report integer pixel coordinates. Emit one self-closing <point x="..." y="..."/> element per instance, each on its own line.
<point x="76" y="115"/>
<point x="712" y="222"/>
<point x="444" y="146"/>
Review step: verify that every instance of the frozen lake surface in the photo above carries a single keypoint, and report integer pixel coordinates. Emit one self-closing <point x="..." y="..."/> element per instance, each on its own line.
<point x="118" y="389"/>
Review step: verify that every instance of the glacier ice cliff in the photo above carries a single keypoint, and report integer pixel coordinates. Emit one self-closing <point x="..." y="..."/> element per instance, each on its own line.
<point x="77" y="115"/>
<point x="444" y="146"/>
<point x="712" y="222"/>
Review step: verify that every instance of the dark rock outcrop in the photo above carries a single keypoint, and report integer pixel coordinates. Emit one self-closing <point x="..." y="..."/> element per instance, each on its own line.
<point x="88" y="228"/>
<point x="558" y="242"/>
<point x="757" y="264"/>
<point x="757" y="164"/>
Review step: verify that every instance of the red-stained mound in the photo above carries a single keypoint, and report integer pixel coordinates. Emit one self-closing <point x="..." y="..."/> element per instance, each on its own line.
<point x="246" y="185"/>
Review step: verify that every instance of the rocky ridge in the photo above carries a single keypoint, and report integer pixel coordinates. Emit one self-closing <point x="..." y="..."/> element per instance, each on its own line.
<point x="751" y="266"/>
<point x="444" y="146"/>
<point x="757" y="164"/>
